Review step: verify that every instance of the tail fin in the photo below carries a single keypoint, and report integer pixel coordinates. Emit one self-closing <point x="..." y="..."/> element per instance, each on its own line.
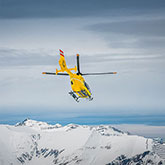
<point x="63" y="65"/>
<point x="62" y="61"/>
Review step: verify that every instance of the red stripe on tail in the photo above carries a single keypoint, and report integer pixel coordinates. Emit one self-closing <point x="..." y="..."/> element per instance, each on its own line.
<point x="61" y="51"/>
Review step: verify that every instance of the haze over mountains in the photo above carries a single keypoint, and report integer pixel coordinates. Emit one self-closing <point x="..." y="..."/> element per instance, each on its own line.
<point x="32" y="142"/>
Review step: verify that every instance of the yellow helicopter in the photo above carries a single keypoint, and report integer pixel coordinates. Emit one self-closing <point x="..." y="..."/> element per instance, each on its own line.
<point x="80" y="89"/>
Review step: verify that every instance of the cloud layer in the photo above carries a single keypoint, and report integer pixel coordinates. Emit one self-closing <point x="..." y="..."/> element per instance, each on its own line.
<point x="123" y="36"/>
<point x="73" y="8"/>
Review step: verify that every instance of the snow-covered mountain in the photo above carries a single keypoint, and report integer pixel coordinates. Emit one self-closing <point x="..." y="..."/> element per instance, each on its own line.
<point x="31" y="142"/>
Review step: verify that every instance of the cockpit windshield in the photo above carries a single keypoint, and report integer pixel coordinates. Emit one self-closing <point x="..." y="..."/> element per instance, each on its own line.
<point x="87" y="86"/>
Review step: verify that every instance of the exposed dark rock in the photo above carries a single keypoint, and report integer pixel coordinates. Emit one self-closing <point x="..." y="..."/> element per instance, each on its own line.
<point x="141" y="159"/>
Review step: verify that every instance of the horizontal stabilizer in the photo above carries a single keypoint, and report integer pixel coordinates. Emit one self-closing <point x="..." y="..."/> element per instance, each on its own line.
<point x="75" y="68"/>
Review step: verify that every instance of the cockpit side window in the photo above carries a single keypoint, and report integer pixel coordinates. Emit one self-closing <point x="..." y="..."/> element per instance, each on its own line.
<point x="82" y="93"/>
<point x="87" y="86"/>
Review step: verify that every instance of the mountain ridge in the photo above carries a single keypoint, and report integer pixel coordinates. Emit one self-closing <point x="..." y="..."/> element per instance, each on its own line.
<point x="32" y="142"/>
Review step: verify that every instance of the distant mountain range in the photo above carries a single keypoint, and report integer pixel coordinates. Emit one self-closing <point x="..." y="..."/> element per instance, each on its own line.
<point x="37" y="143"/>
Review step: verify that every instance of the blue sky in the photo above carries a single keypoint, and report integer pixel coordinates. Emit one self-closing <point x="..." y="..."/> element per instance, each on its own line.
<point x="124" y="36"/>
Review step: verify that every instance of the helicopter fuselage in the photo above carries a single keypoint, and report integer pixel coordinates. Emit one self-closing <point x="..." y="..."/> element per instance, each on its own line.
<point x="79" y="86"/>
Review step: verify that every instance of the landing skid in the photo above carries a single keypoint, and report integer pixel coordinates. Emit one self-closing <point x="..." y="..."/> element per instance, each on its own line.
<point x="74" y="96"/>
<point x="90" y="98"/>
<point x="77" y="98"/>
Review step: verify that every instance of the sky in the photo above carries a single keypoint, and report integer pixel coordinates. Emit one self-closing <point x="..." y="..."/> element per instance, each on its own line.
<point x="123" y="36"/>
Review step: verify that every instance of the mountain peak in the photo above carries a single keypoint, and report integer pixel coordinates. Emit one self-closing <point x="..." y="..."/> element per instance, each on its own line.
<point x="37" y="124"/>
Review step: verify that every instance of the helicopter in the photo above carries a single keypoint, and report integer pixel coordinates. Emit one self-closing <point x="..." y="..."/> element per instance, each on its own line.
<point x="80" y="88"/>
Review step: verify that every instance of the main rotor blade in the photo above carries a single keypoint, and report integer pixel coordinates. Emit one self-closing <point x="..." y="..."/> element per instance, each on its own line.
<point x="78" y="65"/>
<point x="63" y="74"/>
<point x="85" y="74"/>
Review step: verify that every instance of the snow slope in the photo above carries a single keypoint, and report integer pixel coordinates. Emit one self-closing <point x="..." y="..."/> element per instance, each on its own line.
<point x="31" y="142"/>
